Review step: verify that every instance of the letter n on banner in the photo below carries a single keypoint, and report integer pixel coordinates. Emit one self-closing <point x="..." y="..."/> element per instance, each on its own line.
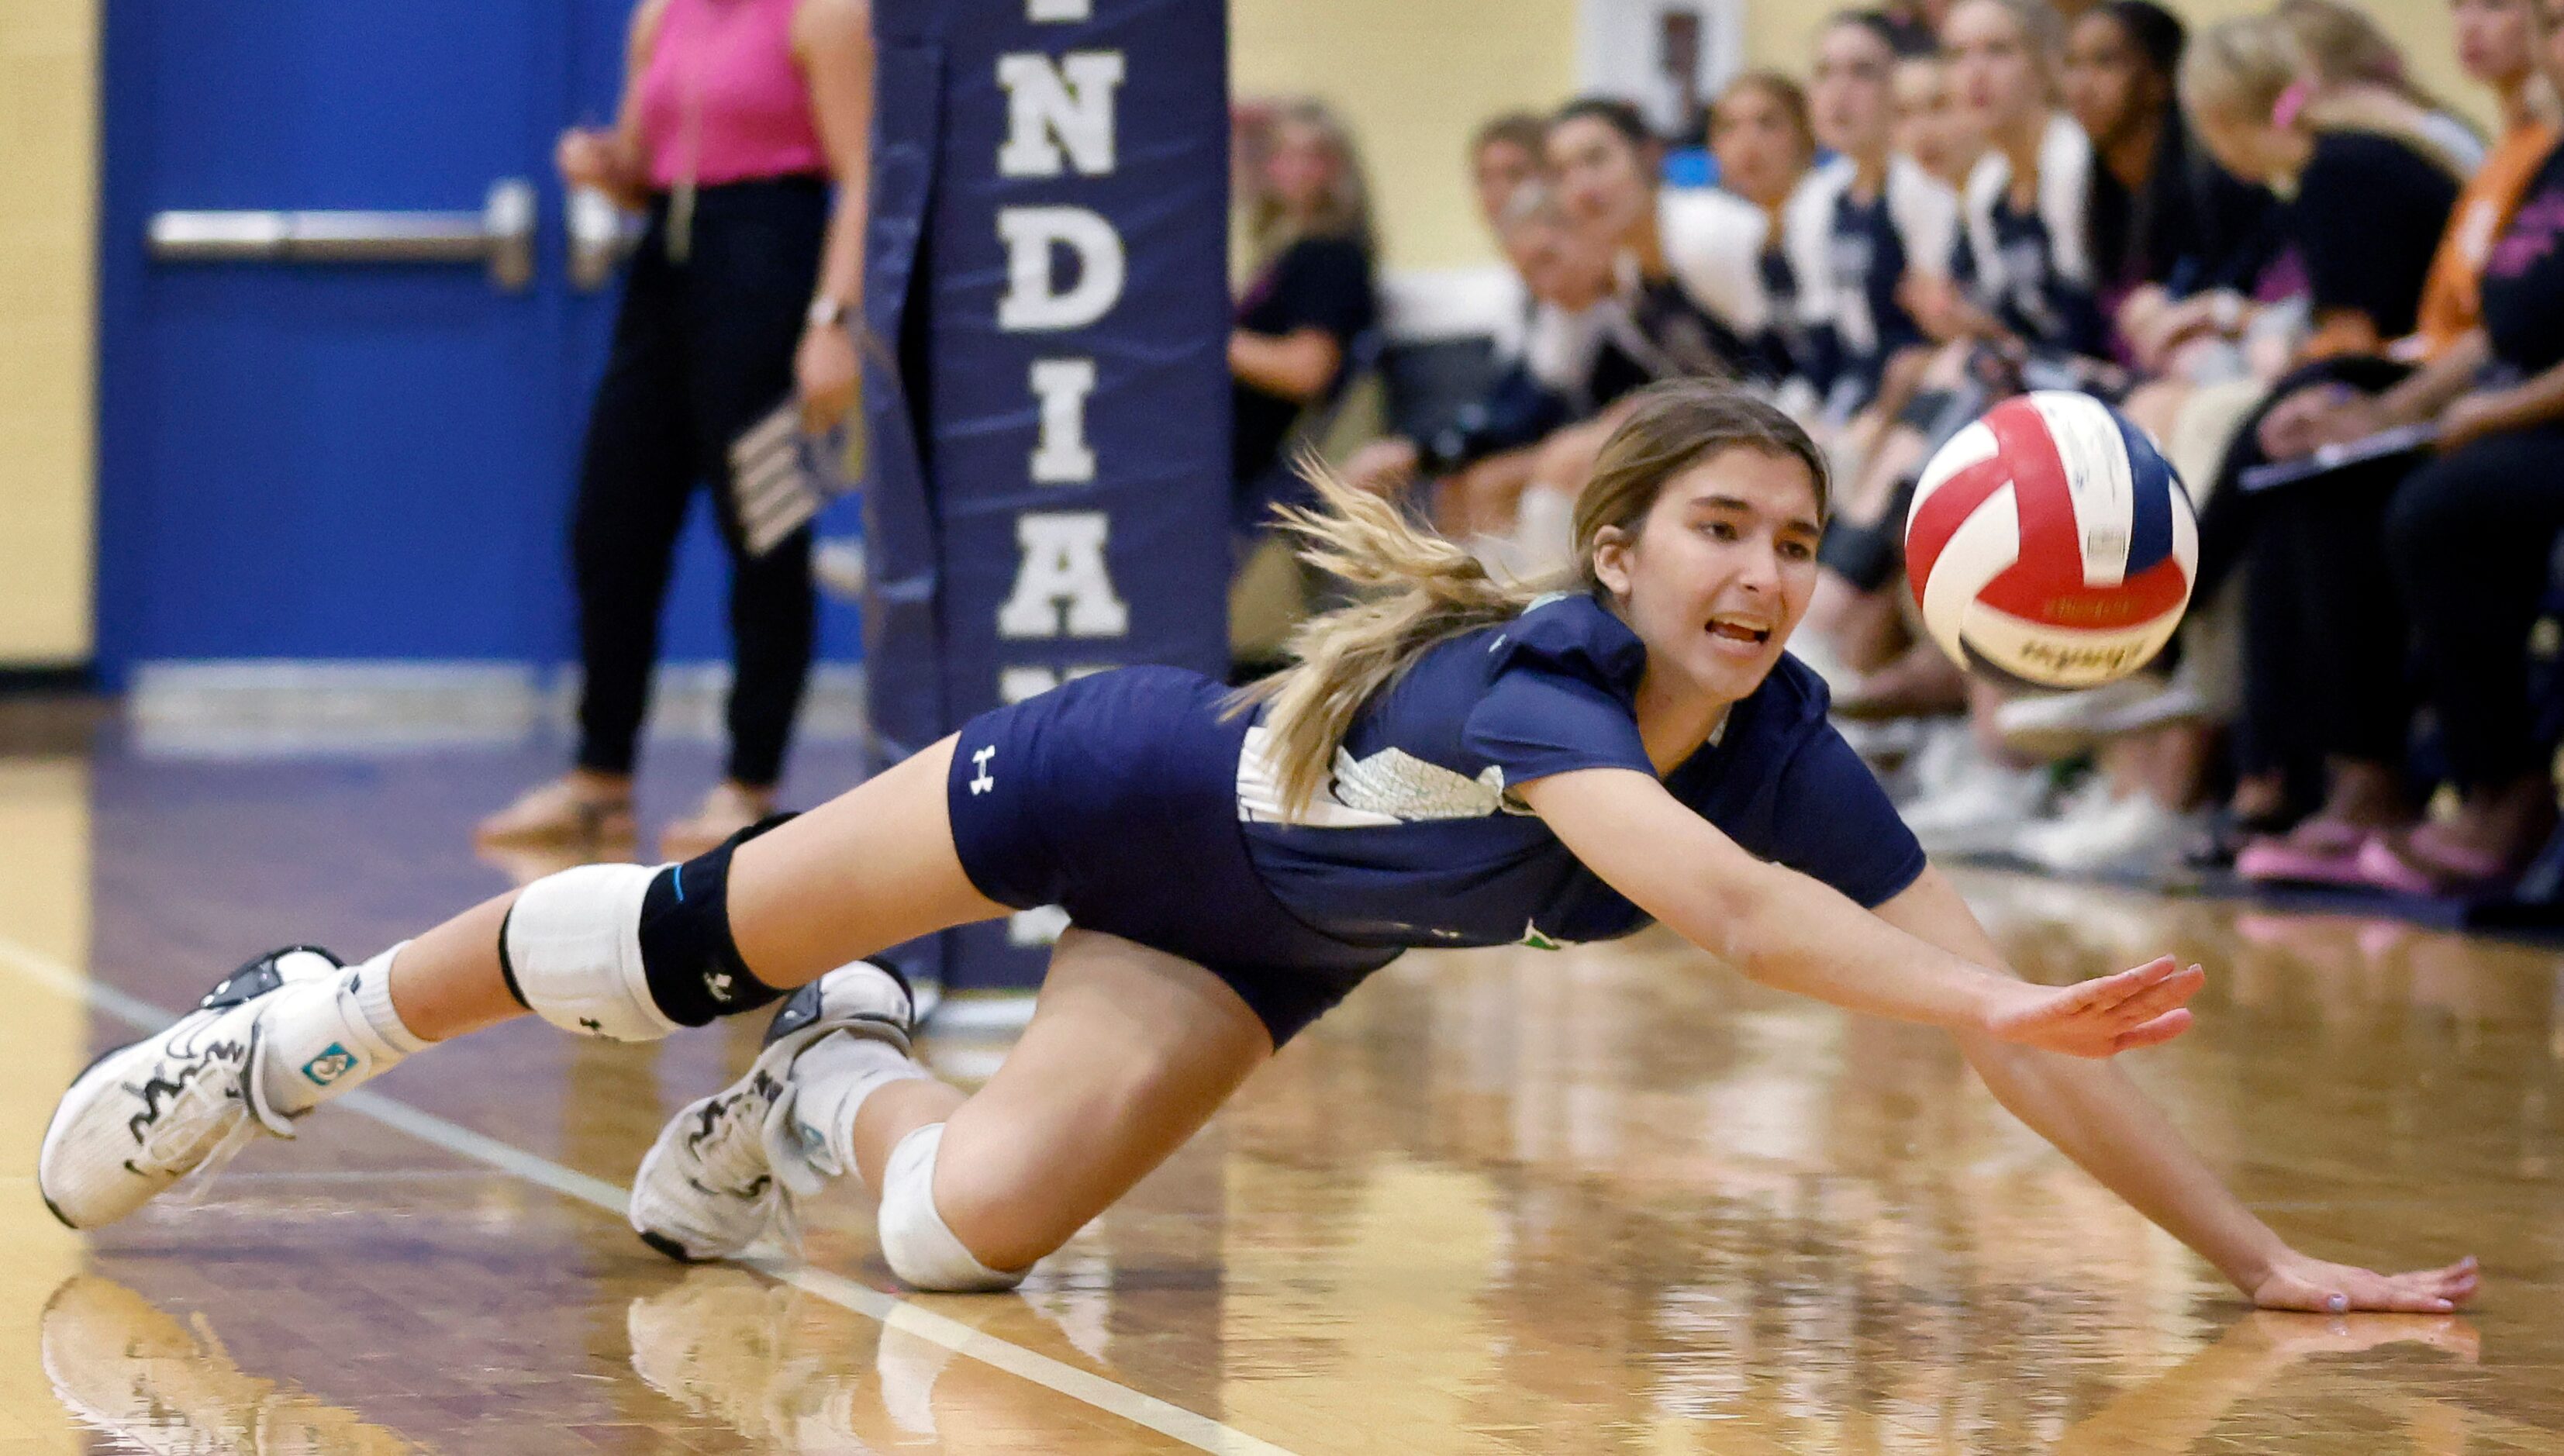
<point x="1063" y="384"/>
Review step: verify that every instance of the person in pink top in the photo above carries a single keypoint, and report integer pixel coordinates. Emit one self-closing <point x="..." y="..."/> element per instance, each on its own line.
<point x="743" y="134"/>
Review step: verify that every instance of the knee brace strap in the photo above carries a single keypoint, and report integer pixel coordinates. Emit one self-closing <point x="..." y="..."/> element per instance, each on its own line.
<point x="687" y="953"/>
<point x="914" y="1241"/>
<point x="631" y="953"/>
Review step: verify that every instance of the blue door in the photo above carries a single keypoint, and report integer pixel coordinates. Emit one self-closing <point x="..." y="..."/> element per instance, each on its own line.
<point x="332" y="459"/>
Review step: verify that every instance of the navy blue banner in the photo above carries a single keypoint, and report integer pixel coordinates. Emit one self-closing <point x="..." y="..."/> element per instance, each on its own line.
<point x="1049" y="255"/>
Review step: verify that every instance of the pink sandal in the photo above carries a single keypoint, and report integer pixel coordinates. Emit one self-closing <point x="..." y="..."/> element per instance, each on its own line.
<point x="2317" y="852"/>
<point x="2381" y="867"/>
<point x="2438" y="850"/>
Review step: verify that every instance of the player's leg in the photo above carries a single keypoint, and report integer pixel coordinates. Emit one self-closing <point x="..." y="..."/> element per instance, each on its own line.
<point x="1129" y="1051"/>
<point x="629" y="952"/>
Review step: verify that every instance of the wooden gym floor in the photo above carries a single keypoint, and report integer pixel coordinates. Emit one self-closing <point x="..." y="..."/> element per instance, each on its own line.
<point x="1610" y="1200"/>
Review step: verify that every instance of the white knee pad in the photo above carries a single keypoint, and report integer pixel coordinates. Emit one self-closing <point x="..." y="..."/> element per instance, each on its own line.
<point x="919" y="1249"/>
<point x="574" y="944"/>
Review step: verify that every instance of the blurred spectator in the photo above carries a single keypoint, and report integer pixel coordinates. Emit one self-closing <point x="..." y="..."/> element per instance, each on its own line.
<point x="2024" y="257"/>
<point x="1309" y="297"/>
<point x="1503" y="156"/>
<point x="2495" y="47"/>
<point x="1690" y="260"/>
<point x="2318" y="689"/>
<point x="1765" y="143"/>
<point x="2166" y="222"/>
<point x="1931" y="127"/>
<point x="1572" y="360"/>
<point x="1860" y="223"/>
<point x="736" y="119"/>
<point x="2471" y="537"/>
<point x="2018" y="292"/>
<point x="2348" y="50"/>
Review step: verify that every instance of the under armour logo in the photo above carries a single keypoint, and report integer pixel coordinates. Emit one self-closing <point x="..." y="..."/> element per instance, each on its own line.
<point x="718" y="984"/>
<point x="980" y="761"/>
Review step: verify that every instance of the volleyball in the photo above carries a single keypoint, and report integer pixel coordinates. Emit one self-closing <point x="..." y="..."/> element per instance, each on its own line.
<point x="2051" y="545"/>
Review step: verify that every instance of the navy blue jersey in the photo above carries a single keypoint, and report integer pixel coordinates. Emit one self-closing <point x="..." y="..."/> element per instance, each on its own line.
<point x="1788" y="346"/>
<point x="2032" y="266"/>
<point x="1418" y="839"/>
<point x="1850" y="255"/>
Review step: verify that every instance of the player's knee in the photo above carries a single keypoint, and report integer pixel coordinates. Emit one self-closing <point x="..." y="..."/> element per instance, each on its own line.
<point x="915" y="1241"/>
<point x="630" y="953"/>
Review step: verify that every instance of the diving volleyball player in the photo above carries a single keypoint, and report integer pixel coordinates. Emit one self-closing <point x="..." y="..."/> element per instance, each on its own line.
<point x="1453" y="761"/>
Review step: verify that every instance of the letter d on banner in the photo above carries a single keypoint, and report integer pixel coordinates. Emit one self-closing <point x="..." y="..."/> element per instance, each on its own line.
<point x="1055" y="500"/>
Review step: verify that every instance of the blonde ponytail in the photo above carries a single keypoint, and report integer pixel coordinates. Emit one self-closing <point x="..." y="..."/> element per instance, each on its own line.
<point x="1424" y="590"/>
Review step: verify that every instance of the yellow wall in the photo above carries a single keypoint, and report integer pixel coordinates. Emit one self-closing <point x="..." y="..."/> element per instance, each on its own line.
<point x="1413" y="77"/>
<point x="47" y="212"/>
<point x="1416" y="77"/>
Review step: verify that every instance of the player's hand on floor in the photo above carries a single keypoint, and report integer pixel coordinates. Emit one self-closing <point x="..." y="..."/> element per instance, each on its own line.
<point x="2102" y="1016"/>
<point x="2300" y="1282"/>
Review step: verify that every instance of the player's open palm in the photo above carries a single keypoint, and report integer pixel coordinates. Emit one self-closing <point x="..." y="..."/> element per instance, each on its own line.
<point x="2301" y="1283"/>
<point x="2103" y="1016"/>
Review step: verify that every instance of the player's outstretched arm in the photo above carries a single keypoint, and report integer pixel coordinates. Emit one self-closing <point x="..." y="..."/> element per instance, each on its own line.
<point x="2098" y="1117"/>
<point x="1787" y="931"/>
<point x="1922" y="956"/>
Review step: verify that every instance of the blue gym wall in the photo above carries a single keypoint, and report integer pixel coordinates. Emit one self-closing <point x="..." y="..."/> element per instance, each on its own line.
<point x="302" y="462"/>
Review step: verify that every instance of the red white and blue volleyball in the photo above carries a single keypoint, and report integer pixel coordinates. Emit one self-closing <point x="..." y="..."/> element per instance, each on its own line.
<point x="2052" y="544"/>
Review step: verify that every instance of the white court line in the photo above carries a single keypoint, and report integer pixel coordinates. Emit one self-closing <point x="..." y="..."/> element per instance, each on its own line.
<point x="1167" y="1419"/>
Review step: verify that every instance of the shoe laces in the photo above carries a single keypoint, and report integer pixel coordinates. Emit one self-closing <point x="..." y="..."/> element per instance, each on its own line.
<point x="728" y="1140"/>
<point x="205" y="1101"/>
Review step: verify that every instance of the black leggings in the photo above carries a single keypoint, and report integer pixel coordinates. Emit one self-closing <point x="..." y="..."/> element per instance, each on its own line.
<point x="2469" y="536"/>
<point x="2323" y="660"/>
<point x="702" y="349"/>
<point x="2440" y="565"/>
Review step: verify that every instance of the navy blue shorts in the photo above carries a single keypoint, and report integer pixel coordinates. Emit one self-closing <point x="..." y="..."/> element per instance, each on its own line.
<point x="1114" y="798"/>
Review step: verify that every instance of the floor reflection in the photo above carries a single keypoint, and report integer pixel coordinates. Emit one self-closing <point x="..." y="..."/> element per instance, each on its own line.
<point x="128" y="1370"/>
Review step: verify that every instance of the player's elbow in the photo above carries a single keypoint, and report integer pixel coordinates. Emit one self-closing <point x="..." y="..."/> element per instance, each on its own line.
<point x="1745" y="918"/>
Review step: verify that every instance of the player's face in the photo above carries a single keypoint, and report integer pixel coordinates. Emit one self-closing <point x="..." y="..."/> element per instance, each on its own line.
<point x="1560" y="264"/>
<point x="2107" y="86"/>
<point x="1496" y="172"/>
<point x="1720" y="571"/>
<point x="1926" y="125"/>
<point x="1994" y="68"/>
<point x="1759" y="155"/>
<point x="1301" y="168"/>
<point x="1848" y="96"/>
<point x="2495" y="41"/>
<point x="1602" y="179"/>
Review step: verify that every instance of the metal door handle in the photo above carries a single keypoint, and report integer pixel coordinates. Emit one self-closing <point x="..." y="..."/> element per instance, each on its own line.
<point x="601" y="235"/>
<point x="500" y="234"/>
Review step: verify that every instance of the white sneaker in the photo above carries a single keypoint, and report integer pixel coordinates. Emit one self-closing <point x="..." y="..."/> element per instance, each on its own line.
<point x="144" y="1116"/>
<point x="1980" y="806"/>
<point x="2054" y="724"/>
<point x="2132" y="835"/>
<point x="721" y="1172"/>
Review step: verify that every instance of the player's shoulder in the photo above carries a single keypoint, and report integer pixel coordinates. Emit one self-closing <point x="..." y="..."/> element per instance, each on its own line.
<point x="1570" y="632"/>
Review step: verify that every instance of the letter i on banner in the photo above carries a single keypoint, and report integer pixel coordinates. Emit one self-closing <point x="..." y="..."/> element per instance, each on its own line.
<point x="1076" y="359"/>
